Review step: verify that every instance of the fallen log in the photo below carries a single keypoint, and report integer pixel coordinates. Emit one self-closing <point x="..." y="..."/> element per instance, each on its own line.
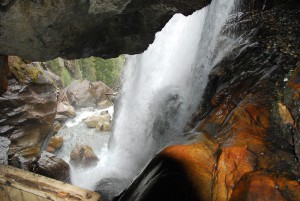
<point x="20" y="185"/>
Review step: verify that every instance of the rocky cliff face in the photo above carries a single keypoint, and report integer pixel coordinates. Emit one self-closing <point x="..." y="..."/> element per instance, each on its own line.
<point x="249" y="147"/>
<point x="27" y="110"/>
<point x="43" y="30"/>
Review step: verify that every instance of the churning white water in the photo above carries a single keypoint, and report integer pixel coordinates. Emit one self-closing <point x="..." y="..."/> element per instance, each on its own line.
<point x="76" y="132"/>
<point x="162" y="88"/>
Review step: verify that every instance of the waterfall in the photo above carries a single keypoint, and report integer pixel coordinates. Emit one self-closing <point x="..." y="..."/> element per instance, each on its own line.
<point x="161" y="90"/>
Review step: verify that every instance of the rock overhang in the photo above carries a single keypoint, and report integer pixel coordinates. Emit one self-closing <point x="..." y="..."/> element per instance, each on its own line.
<point x="43" y="30"/>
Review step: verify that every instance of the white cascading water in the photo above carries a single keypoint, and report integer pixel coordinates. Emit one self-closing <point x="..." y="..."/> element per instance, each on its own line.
<point x="162" y="88"/>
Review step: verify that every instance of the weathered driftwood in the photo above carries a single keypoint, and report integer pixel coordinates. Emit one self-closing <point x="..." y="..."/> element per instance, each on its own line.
<point x="19" y="185"/>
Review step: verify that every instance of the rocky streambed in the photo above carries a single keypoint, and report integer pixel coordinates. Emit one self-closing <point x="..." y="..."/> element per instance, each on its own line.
<point x="80" y="134"/>
<point x="35" y="114"/>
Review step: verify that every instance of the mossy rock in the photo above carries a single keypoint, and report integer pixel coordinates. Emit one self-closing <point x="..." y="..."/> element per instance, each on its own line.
<point x="24" y="71"/>
<point x="33" y="73"/>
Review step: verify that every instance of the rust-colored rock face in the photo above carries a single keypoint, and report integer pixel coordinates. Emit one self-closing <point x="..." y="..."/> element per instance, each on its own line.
<point x="248" y="121"/>
<point x="263" y="185"/>
<point x="198" y="162"/>
<point x="27" y="110"/>
<point x="253" y="118"/>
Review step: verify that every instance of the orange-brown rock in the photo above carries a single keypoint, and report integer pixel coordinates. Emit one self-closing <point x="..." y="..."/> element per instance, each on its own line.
<point x="50" y="150"/>
<point x="232" y="164"/>
<point x="55" y="143"/>
<point x="56" y="127"/>
<point x="83" y="156"/>
<point x="285" y="114"/>
<point x="262" y="185"/>
<point x="198" y="162"/>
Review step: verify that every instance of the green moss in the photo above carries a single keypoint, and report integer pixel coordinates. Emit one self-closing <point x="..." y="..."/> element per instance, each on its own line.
<point x="17" y="67"/>
<point x="22" y="70"/>
<point x="33" y="73"/>
<point x="92" y="69"/>
<point x="54" y="66"/>
<point x="106" y="70"/>
<point x="66" y="77"/>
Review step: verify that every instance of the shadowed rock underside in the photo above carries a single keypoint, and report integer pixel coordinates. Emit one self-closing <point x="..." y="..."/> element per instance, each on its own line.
<point x="43" y="30"/>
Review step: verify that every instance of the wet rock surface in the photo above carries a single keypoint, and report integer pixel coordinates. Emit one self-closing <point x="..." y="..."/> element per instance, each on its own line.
<point x="101" y="122"/>
<point x="109" y="187"/>
<point x="4" y="147"/>
<point x="263" y="184"/>
<point x="104" y="104"/>
<point x="83" y="156"/>
<point x="27" y="110"/>
<point x="64" y="108"/>
<point x="248" y="120"/>
<point x="56" y="126"/>
<point x="55" y="143"/>
<point x="106" y="126"/>
<point x="51" y="166"/>
<point x="164" y="179"/>
<point x="74" y="29"/>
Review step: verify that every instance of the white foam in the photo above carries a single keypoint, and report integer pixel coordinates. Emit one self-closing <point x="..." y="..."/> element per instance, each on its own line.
<point x="83" y="113"/>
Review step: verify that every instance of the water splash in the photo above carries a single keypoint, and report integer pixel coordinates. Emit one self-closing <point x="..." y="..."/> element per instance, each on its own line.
<point x="162" y="88"/>
<point x="75" y="131"/>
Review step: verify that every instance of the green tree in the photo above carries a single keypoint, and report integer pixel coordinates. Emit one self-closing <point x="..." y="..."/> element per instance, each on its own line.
<point x="66" y="77"/>
<point x="54" y="66"/>
<point x="92" y="69"/>
<point x="106" y="70"/>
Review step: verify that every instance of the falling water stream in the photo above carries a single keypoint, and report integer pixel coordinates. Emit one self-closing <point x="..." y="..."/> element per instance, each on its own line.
<point x="161" y="90"/>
